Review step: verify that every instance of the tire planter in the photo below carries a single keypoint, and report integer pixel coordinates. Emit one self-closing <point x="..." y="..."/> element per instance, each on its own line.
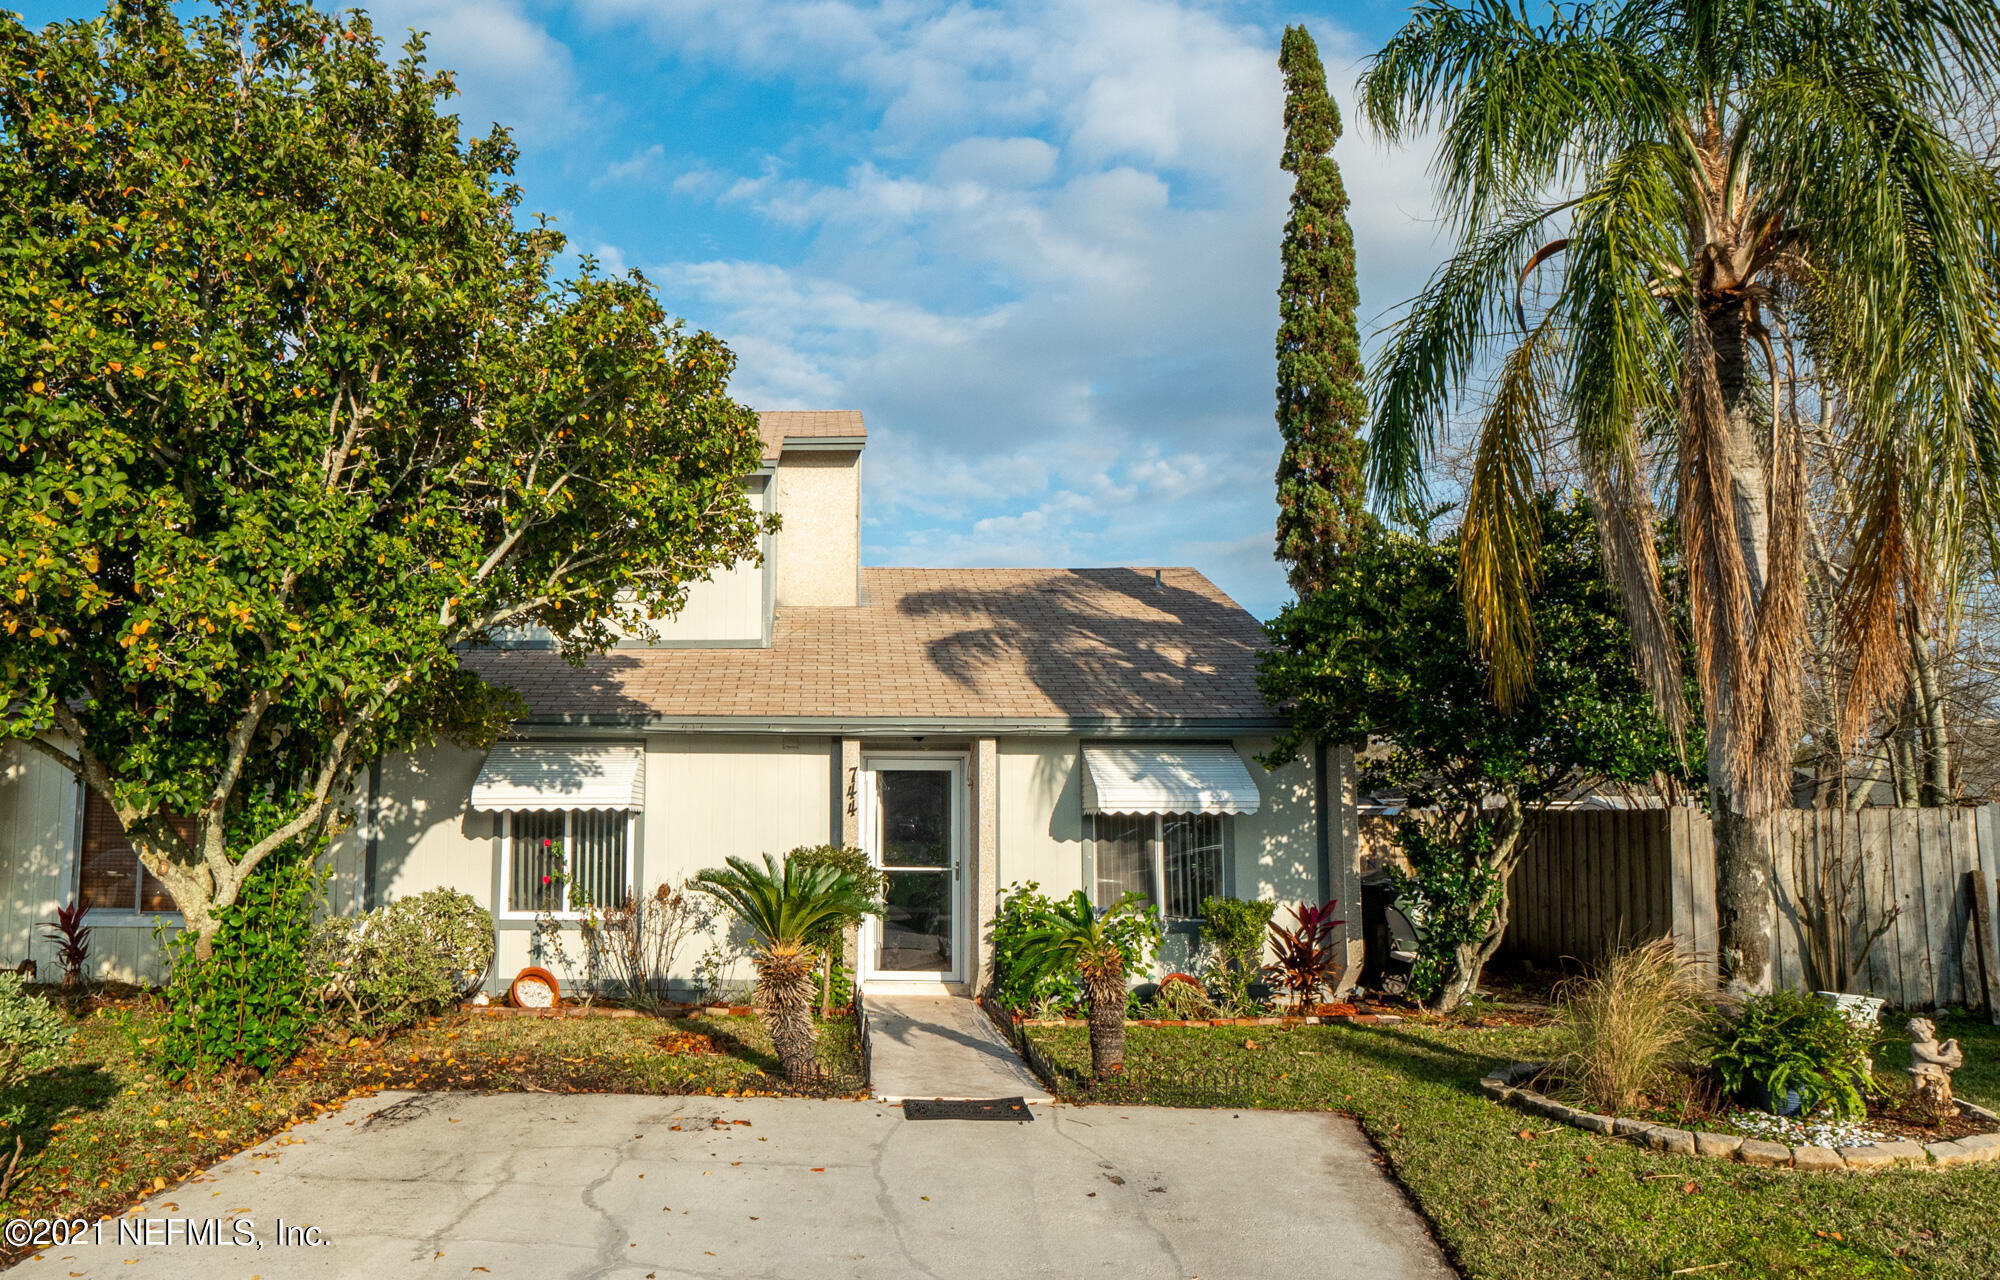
<point x="534" y="988"/>
<point x="1507" y="1084"/>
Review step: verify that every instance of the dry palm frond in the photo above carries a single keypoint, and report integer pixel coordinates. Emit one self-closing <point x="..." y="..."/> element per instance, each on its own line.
<point x="1624" y="1027"/>
<point x="1625" y="525"/>
<point x="1718" y="578"/>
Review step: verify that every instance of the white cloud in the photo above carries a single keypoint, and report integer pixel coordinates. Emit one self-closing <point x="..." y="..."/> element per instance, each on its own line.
<point x="510" y="69"/>
<point x="643" y="166"/>
<point x="1046" y="271"/>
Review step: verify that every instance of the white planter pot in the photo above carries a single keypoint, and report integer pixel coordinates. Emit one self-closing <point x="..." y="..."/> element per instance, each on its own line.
<point x="1864" y="1012"/>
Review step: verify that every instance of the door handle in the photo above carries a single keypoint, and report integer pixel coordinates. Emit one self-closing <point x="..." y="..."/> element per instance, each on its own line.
<point x="956" y="866"/>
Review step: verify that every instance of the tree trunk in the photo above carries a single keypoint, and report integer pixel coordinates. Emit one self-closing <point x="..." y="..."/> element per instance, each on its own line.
<point x="1742" y="844"/>
<point x="1105" y="992"/>
<point x="784" y="988"/>
<point x="1470" y="961"/>
<point x="1931" y="724"/>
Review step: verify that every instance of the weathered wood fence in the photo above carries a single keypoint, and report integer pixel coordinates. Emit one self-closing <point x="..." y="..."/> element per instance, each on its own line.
<point x="1591" y="881"/>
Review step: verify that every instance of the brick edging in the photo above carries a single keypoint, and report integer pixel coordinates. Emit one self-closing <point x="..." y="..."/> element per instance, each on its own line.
<point x="1980" y="1148"/>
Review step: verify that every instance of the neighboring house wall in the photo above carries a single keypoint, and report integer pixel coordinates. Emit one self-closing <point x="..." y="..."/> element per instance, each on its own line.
<point x="818" y="549"/>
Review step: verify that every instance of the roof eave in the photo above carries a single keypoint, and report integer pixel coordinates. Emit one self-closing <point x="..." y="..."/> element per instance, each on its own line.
<point x="595" y="724"/>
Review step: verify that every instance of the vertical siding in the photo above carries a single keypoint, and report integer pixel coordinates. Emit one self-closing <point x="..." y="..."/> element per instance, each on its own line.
<point x="1041" y="823"/>
<point x="728" y="606"/>
<point x="711" y="796"/>
<point x="1277" y="847"/>
<point x="38" y="800"/>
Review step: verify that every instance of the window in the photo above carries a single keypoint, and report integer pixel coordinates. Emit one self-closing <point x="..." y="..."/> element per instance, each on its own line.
<point x="566" y="861"/>
<point x="1172" y="860"/>
<point x="109" y="874"/>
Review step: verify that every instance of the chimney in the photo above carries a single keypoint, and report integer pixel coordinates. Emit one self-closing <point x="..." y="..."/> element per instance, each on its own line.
<point x="1157" y="584"/>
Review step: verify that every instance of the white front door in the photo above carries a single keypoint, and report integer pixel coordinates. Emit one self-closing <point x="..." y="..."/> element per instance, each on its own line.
<point x="913" y="828"/>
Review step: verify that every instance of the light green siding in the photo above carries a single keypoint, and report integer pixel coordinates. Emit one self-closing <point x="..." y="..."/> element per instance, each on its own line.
<point x="1041" y="834"/>
<point x="1277" y="847"/>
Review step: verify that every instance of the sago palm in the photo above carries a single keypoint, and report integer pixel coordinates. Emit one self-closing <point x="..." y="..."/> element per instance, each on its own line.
<point x="1673" y="218"/>
<point x="785" y="905"/>
<point x="1072" y="937"/>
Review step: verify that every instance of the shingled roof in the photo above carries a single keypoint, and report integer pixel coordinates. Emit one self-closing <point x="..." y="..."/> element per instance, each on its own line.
<point x="1055" y="645"/>
<point x="778" y="426"/>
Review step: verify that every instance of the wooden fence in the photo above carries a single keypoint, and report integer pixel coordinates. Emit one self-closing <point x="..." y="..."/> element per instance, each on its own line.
<point x="1591" y="881"/>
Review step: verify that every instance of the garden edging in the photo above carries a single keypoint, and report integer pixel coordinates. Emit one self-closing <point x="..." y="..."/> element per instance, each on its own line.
<point x="1502" y="1086"/>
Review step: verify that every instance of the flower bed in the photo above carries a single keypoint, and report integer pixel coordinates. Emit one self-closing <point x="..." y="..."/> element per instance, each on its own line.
<point x="1509" y="1085"/>
<point x="1343" y="1013"/>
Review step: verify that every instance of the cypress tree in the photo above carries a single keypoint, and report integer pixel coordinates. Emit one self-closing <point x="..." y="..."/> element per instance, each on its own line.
<point x="1320" y="404"/>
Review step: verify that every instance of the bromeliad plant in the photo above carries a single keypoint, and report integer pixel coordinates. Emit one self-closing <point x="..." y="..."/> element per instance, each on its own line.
<point x="1307" y="960"/>
<point x="785" y="905"/>
<point x="72" y="939"/>
<point x="1100" y="948"/>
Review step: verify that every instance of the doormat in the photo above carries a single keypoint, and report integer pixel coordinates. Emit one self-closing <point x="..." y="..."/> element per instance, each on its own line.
<point x="963" y="1109"/>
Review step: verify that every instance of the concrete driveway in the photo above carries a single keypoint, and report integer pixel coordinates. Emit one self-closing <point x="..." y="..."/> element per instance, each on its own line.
<point x="545" y="1186"/>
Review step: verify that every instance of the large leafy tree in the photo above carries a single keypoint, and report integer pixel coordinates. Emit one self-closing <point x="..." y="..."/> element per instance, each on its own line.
<point x="1381" y="652"/>
<point x="1725" y="208"/>
<point x="293" y="409"/>
<point x="1321" y="481"/>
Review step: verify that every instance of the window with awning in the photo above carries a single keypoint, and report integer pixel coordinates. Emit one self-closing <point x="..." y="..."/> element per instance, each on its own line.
<point x="1175" y="778"/>
<point x="553" y="776"/>
<point x="567" y="823"/>
<point x="1158" y="818"/>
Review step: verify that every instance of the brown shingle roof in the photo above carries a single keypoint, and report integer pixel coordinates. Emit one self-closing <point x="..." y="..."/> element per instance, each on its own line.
<point x="937" y="644"/>
<point x="781" y="425"/>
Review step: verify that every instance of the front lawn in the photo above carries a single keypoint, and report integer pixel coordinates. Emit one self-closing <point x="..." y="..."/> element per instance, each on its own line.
<point x="1513" y="1198"/>
<point x="102" y="1129"/>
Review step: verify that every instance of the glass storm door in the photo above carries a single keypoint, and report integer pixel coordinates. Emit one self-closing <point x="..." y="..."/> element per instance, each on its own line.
<point x="912" y="823"/>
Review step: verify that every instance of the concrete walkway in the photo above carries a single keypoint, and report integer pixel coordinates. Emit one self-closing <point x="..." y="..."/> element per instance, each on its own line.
<point x="546" y="1187"/>
<point x="941" y="1047"/>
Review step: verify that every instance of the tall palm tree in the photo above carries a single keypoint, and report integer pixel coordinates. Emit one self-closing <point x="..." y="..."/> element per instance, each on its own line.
<point x="1072" y="937"/>
<point x="1674" y="217"/>
<point x="785" y="905"/>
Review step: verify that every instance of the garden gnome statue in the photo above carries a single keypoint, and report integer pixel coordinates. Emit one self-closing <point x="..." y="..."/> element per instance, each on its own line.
<point x="1931" y="1065"/>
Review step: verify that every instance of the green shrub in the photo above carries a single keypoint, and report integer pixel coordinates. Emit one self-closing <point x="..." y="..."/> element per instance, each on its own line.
<point x="32" y="1030"/>
<point x="837" y="967"/>
<point x="249" y="1006"/>
<point x="1017" y="988"/>
<point x="398" y="964"/>
<point x="1787" y="1041"/>
<point x="1234" y="928"/>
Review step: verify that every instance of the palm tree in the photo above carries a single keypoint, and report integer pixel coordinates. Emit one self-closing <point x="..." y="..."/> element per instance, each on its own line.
<point x="1072" y="937"/>
<point x="1737" y="202"/>
<point x="785" y="905"/>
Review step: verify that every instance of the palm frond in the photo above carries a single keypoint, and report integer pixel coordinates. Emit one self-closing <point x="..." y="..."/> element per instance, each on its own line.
<point x="1501" y="540"/>
<point x="1448" y="328"/>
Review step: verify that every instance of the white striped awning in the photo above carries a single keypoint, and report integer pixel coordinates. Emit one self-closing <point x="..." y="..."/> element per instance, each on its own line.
<point x="1166" y="779"/>
<point x="561" y="775"/>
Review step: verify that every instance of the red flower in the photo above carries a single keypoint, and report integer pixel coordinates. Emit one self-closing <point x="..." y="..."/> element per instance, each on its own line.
<point x="545" y="879"/>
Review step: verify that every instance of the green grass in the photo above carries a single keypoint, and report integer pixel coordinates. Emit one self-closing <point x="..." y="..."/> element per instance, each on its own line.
<point x="1561" y="1203"/>
<point x="102" y="1130"/>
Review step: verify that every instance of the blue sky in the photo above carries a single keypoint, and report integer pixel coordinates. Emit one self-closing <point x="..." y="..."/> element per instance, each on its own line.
<point x="1035" y="243"/>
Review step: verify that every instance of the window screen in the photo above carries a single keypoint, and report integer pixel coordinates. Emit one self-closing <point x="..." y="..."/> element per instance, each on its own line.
<point x="566" y="861"/>
<point x="1191" y="855"/>
<point x="1124" y="856"/>
<point x="109" y="875"/>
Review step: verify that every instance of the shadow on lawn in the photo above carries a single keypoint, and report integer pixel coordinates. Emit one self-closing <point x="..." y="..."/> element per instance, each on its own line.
<point x="46" y="1097"/>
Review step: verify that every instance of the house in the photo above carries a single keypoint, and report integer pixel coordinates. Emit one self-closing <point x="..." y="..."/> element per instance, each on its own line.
<point x="1092" y="729"/>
